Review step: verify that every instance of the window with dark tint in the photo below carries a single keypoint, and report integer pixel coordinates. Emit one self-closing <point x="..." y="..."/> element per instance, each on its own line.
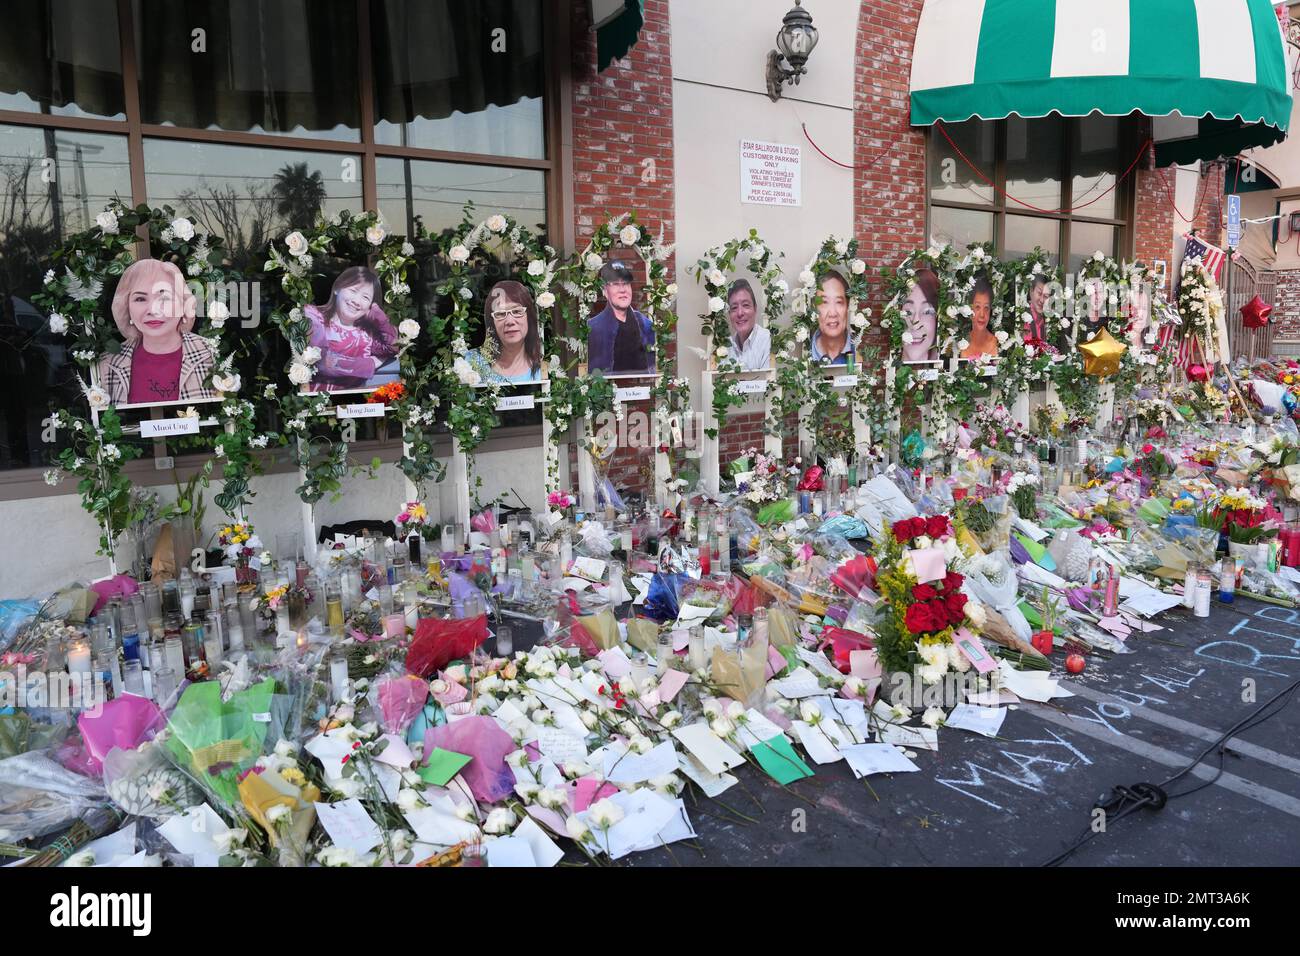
<point x="55" y="182"/>
<point x="265" y="66"/>
<point x="461" y="75"/>
<point x="62" y="57"/>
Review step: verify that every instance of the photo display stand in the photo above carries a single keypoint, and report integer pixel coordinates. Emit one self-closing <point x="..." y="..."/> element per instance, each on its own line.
<point x="760" y="383"/>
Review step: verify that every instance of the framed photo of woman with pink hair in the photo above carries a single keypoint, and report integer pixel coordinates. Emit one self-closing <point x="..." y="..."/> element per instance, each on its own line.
<point x="161" y="361"/>
<point x="357" y="341"/>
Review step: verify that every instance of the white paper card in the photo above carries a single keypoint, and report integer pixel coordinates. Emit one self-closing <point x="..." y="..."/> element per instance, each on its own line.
<point x="865" y="759"/>
<point x="169" y="426"/>
<point x="510" y="851"/>
<point x="627" y="768"/>
<point x="980" y="720"/>
<point x="349" y="826"/>
<point x="360" y="410"/>
<point x="916" y="738"/>
<point x="708" y="748"/>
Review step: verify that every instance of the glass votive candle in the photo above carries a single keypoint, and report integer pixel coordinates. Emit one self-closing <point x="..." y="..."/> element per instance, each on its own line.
<point x="505" y="642"/>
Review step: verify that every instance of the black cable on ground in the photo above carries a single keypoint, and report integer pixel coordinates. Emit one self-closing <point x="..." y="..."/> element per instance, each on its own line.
<point x="1124" y="801"/>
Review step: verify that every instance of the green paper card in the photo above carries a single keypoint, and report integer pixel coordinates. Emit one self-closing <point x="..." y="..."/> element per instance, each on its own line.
<point x="777" y="757"/>
<point x="1031" y="614"/>
<point x="441" y="766"/>
<point x="1037" y="553"/>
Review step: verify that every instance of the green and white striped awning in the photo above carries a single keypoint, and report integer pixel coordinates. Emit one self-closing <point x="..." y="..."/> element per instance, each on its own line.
<point x="1216" y="64"/>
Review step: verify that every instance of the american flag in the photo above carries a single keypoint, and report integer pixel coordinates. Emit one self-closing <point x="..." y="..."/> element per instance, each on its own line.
<point x="1211" y="256"/>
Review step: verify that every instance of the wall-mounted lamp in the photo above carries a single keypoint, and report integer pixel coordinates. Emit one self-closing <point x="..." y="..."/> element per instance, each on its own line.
<point x="794" y="44"/>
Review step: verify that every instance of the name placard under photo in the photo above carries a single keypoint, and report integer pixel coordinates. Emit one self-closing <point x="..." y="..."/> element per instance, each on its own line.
<point x="636" y="393"/>
<point x="361" y="410"/>
<point x="508" y="403"/>
<point x="844" y="381"/>
<point x="751" y="386"/>
<point x="164" y="427"/>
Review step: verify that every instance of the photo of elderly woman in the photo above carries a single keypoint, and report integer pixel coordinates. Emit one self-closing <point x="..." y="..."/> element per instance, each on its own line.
<point x="161" y="359"/>
<point x="751" y="344"/>
<point x="921" y="319"/>
<point x="357" y="342"/>
<point x="981" y="339"/>
<point x="831" y="343"/>
<point x="1092" y="317"/>
<point x="621" y="340"/>
<point x="512" y="344"/>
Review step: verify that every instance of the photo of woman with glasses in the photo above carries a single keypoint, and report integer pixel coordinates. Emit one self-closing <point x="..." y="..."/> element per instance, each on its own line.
<point x="512" y="344"/>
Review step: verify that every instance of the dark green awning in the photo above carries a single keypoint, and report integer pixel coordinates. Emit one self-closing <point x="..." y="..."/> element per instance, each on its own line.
<point x="616" y="37"/>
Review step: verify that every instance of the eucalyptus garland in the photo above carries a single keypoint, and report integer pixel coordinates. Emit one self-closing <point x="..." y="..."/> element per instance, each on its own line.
<point x="714" y="269"/>
<point x="806" y="390"/>
<point x="472" y="392"/>
<point x="324" y="459"/>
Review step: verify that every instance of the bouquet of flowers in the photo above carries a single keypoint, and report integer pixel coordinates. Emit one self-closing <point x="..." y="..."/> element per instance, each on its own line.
<point x="1021" y="489"/>
<point x="414" y="519"/>
<point x="762" y="479"/>
<point x="387" y="394"/>
<point x="996" y="428"/>
<point x="1241" y="515"/>
<point x="925" y="609"/>
<point x="239" y="541"/>
<point x="561" y="501"/>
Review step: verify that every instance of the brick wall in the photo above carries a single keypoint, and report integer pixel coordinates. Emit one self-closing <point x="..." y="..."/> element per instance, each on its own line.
<point x="889" y="155"/>
<point x="623" y="118"/>
<point x="1153" y="223"/>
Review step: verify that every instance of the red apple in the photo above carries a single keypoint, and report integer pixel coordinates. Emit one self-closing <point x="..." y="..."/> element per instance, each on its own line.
<point x="1075" y="663"/>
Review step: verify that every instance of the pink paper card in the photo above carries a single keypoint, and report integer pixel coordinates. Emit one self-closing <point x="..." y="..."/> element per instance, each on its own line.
<point x="969" y="645"/>
<point x="671" y="683"/>
<point x="548" y="818"/>
<point x="588" y="790"/>
<point x="615" y="663"/>
<point x="927" y="564"/>
<point x="534" y="752"/>
<point x="680" y="640"/>
<point x="864" y="664"/>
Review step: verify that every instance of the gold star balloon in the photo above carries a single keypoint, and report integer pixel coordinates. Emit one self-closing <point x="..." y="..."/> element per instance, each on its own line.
<point x="1101" y="355"/>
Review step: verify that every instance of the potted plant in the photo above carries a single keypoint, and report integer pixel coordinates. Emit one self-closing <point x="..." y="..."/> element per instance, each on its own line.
<point x="1044" y="640"/>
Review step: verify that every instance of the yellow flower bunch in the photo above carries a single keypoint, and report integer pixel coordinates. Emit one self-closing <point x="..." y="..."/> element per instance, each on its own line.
<point x="294" y="776"/>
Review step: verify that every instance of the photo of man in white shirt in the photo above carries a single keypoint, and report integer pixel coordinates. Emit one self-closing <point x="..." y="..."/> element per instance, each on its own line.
<point x="751" y="344"/>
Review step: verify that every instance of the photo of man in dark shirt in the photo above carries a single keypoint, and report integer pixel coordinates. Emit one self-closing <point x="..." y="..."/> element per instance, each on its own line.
<point x="621" y="340"/>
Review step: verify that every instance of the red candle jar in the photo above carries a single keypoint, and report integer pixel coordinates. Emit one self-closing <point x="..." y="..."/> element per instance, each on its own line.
<point x="1292" y="541"/>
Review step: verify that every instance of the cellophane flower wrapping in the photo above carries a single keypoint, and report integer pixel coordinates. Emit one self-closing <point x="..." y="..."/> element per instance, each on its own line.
<point x="125" y="722"/>
<point x="401" y="698"/>
<point x="439" y="641"/>
<point x="488" y="775"/>
<point x="215" y="740"/>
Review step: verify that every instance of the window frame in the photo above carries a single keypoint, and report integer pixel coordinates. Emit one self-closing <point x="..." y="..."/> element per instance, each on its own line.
<point x="1126" y="193"/>
<point x="556" y="167"/>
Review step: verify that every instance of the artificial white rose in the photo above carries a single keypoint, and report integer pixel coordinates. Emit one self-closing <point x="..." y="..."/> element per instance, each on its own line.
<point x="536" y="267"/>
<point x="408" y="328"/>
<point x="629" y="235"/>
<point x="841" y="248"/>
<point x="218" y="313"/>
<point x="375" y="234"/>
<point x="801" y="333"/>
<point x="907" y="338"/>
<point x="296" y="243"/>
<point x="716" y="305"/>
<point x="807" y="277"/>
<point x="1002" y="336"/>
<point x="545" y="300"/>
<point x="672" y="289"/>
<point x="933" y="717"/>
<point x="499" y="821"/>
<point x="1099" y="256"/>
<point x="182" y="229"/>
<point x="458" y="253"/>
<point x="605" y="813"/>
<point x="58" y="324"/>
<point x="593" y="262"/>
<point x="715" y="277"/>
<point x="310" y="355"/>
<point x="858" y="267"/>
<point x="496" y="223"/>
<point x="107" y="222"/>
<point x="962" y="345"/>
<point x="576" y="829"/>
<point x="97" y="397"/>
<point x="299" y="373"/>
<point x="227" y="383"/>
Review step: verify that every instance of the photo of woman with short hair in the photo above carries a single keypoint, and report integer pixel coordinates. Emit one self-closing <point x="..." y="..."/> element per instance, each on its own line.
<point x="832" y="343"/>
<point x="358" y="343"/>
<point x="161" y="360"/>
